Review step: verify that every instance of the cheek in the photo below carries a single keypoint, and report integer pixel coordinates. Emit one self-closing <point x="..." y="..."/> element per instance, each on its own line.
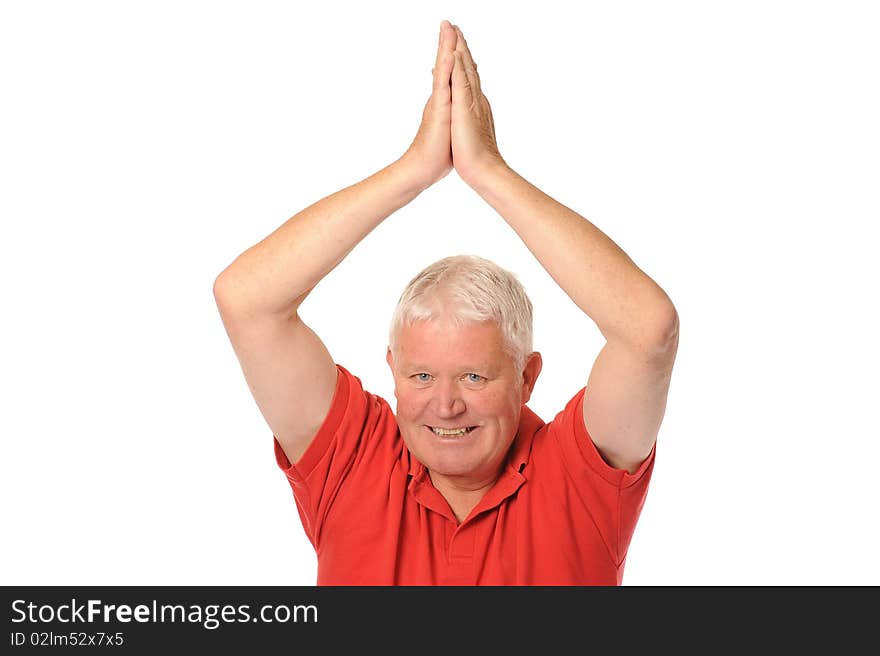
<point x="489" y="404"/>
<point x="496" y="398"/>
<point x="505" y="406"/>
<point x="409" y="405"/>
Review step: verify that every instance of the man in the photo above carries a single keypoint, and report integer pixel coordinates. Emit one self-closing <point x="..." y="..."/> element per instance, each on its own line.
<point x="464" y="485"/>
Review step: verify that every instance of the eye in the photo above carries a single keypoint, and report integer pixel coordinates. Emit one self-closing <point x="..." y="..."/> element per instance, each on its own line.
<point x="423" y="377"/>
<point x="474" y="378"/>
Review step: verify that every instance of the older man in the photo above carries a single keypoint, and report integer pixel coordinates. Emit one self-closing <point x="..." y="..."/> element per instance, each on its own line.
<point x="463" y="485"/>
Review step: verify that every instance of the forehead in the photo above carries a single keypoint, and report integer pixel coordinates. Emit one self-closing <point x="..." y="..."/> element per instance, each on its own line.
<point x="442" y="341"/>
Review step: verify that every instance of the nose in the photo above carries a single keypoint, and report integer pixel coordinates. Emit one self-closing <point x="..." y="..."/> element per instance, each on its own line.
<point x="447" y="400"/>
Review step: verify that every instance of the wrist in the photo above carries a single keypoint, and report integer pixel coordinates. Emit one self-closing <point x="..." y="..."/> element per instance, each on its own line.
<point x="412" y="174"/>
<point x="488" y="174"/>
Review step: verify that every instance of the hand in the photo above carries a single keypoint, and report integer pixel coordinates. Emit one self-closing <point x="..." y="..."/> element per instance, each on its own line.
<point x="474" y="147"/>
<point x="430" y="153"/>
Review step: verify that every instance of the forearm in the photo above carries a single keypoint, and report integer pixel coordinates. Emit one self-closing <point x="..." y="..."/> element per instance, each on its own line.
<point x="596" y="274"/>
<point x="276" y="274"/>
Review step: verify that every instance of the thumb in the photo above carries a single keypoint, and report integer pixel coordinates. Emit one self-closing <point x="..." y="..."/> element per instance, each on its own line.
<point x="461" y="86"/>
<point x="441" y="93"/>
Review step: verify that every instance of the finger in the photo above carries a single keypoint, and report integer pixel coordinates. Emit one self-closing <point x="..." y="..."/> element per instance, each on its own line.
<point x="461" y="84"/>
<point x="441" y="91"/>
<point x="462" y="45"/>
<point x="469" y="64"/>
<point x="446" y="43"/>
<point x="491" y="120"/>
<point x="442" y="71"/>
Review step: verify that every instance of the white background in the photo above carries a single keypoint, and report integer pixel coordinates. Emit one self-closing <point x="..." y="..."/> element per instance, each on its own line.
<point x="731" y="149"/>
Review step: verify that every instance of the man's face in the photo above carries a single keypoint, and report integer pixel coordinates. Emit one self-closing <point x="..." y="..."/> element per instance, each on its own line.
<point x="449" y="378"/>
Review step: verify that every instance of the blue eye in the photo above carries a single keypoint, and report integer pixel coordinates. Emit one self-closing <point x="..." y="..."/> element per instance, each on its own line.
<point x="475" y="378"/>
<point x="423" y="378"/>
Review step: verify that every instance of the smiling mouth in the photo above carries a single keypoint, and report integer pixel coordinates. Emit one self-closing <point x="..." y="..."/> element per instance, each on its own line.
<point x="451" y="432"/>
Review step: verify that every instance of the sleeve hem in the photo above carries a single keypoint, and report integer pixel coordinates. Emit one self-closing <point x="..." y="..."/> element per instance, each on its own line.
<point x="620" y="478"/>
<point x="319" y="444"/>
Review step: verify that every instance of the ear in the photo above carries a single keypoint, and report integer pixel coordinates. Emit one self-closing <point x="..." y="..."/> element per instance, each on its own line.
<point x="389" y="358"/>
<point x="531" y="371"/>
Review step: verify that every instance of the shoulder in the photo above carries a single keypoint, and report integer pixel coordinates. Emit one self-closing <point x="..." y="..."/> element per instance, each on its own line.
<point x="566" y="439"/>
<point x="355" y="414"/>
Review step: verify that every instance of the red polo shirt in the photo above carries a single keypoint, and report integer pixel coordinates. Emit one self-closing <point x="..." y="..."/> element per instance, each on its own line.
<point x="557" y="515"/>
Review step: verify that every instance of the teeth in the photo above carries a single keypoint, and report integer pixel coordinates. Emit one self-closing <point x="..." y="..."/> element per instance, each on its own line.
<point x="445" y="432"/>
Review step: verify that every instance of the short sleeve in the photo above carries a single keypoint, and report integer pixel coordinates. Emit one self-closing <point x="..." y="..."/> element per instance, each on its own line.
<point x="359" y="430"/>
<point x="614" y="496"/>
<point x="573" y="421"/>
<point x="339" y="407"/>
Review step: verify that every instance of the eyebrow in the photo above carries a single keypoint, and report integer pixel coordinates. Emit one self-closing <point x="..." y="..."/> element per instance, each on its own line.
<point x="467" y="368"/>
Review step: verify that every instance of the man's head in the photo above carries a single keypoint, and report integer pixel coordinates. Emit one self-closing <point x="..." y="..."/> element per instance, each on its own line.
<point x="460" y="352"/>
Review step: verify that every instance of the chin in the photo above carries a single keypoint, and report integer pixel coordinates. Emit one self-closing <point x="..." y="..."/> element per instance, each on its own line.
<point x="447" y="457"/>
<point x="449" y="466"/>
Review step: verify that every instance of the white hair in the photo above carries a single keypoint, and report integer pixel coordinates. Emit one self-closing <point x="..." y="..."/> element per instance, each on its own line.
<point x="469" y="289"/>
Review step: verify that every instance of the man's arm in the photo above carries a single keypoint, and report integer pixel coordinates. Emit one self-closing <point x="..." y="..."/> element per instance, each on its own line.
<point x="274" y="276"/>
<point x="287" y="367"/>
<point x="629" y="382"/>
<point x="628" y="385"/>
<point x="289" y="371"/>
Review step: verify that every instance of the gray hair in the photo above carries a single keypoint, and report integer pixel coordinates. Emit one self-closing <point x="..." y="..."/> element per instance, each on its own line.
<point x="469" y="289"/>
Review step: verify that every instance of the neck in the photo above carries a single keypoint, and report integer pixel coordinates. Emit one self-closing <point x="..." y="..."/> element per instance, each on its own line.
<point x="462" y="496"/>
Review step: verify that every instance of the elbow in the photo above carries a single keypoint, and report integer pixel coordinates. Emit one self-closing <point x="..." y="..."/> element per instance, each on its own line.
<point x="220" y="286"/>
<point x="666" y="321"/>
<point x="662" y="335"/>
<point x="653" y="327"/>
<point x="234" y="299"/>
<point x="650" y="328"/>
<point x="223" y="293"/>
<point x="221" y="282"/>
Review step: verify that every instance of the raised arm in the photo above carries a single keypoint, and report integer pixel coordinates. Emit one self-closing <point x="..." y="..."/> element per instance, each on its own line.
<point x="288" y="369"/>
<point x="629" y="382"/>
